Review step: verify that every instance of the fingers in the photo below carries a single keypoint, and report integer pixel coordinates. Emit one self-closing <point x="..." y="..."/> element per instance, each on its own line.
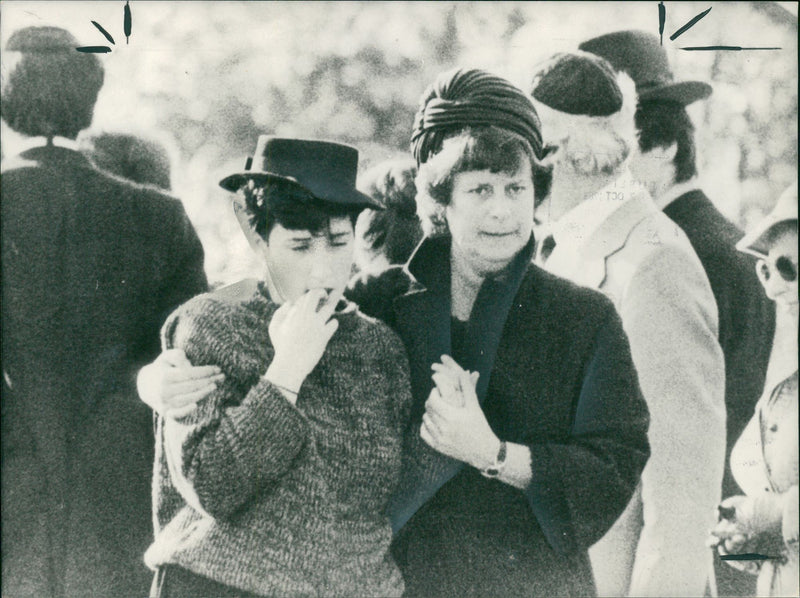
<point x="429" y="423"/>
<point x="447" y="388"/>
<point x="179" y="375"/>
<point x="180" y="391"/>
<point x="426" y="436"/>
<point x="330" y="328"/>
<point x="179" y="412"/>
<point x="175" y="358"/>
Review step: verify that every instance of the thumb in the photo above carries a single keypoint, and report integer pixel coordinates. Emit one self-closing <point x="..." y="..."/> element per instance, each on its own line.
<point x="473" y="377"/>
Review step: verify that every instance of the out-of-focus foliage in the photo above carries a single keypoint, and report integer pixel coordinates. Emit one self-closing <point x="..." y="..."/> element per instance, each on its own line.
<point x="214" y="75"/>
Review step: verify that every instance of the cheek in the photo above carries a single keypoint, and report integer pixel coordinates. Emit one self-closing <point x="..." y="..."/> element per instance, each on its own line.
<point x="290" y="270"/>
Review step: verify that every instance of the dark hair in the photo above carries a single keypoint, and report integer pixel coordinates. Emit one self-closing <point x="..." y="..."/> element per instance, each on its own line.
<point x="292" y="206"/>
<point x="140" y="160"/>
<point x="474" y="148"/>
<point x="660" y="124"/>
<point x="52" y="93"/>
<point x="395" y="230"/>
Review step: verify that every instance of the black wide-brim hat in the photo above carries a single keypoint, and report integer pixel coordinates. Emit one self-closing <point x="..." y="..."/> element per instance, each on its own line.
<point x="326" y="169"/>
<point x="644" y="59"/>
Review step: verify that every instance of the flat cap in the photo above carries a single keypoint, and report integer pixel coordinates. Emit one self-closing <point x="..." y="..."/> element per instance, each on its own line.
<point x="577" y="83"/>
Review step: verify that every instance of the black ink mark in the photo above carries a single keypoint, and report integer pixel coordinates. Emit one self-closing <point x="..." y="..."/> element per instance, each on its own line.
<point x="94" y="49"/>
<point x="127" y="22"/>
<point x="748" y="556"/>
<point x="104" y="32"/>
<point x="688" y="25"/>
<point x="733" y="48"/>
<point x="662" y="18"/>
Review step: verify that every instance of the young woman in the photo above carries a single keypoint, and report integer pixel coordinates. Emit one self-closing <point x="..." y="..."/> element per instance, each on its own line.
<point x="764" y="521"/>
<point x="277" y="482"/>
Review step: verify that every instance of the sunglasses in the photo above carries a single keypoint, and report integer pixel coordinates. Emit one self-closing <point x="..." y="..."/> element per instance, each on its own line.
<point x="783" y="265"/>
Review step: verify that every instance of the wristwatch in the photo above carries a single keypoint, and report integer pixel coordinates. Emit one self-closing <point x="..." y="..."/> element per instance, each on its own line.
<point x="499" y="464"/>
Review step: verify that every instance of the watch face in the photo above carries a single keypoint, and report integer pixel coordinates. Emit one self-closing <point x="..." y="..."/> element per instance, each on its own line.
<point x="492" y="472"/>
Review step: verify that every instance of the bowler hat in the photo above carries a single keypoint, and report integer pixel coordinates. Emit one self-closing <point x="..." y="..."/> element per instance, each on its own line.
<point x="641" y="55"/>
<point x="785" y="210"/>
<point x="324" y="168"/>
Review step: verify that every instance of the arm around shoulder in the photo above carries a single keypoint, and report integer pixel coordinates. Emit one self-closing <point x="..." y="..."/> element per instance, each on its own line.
<point x="239" y="439"/>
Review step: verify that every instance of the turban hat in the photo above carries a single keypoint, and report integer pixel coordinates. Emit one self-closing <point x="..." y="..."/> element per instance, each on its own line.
<point x="469" y="98"/>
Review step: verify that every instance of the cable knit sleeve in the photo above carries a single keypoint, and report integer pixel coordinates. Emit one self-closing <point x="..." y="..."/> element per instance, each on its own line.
<point x="241" y="437"/>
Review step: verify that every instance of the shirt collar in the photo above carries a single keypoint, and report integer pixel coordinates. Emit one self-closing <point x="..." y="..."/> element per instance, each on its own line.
<point x="578" y="225"/>
<point x="676" y="191"/>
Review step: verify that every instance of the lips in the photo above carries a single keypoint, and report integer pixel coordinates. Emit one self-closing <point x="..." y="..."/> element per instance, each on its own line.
<point x="498" y="234"/>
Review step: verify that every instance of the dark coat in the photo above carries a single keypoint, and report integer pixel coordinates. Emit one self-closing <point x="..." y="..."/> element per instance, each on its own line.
<point x="557" y="376"/>
<point x="92" y="265"/>
<point x="746" y="331"/>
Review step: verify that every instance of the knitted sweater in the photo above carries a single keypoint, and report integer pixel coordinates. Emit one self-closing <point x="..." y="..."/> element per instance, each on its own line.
<point x="272" y="498"/>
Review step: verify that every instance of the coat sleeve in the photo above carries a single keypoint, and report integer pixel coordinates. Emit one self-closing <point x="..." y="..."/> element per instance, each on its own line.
<point x="580" y="486"/>
<point x="237" y="441"/>
<point x="186" y="277"/>
<point x="669" y="315"/>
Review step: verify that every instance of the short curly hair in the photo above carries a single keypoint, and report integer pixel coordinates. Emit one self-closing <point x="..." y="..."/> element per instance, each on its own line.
<point x="473" y="148"/>
<point x="52" y="92"/>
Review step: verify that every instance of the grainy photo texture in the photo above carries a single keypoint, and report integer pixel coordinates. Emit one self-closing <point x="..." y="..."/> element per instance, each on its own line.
<point x="399" y="299"/>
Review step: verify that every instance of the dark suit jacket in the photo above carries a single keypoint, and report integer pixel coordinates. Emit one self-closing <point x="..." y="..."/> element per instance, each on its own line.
<point x="92" y="265"/>
<point x="746" y="315"/>
<point x="557" y="376"/>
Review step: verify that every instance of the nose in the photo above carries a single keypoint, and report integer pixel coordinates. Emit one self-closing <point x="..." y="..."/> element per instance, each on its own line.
<point x="500" y="206"/>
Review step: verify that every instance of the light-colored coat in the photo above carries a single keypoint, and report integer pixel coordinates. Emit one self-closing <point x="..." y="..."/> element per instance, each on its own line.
<point x="645" y="264"/>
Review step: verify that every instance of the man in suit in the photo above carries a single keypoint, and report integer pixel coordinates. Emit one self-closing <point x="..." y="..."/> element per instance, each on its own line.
<point x="92" y="265"/>
<point x="665" y="161"/>
<point x="606" y="233"/>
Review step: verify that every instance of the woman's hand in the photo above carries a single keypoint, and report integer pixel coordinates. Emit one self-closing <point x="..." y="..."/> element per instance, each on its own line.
<point x="172" y="386"/>
<point x="454" y="423"/>
<point x="300" y="332"/>
<point x="753" y="526"/>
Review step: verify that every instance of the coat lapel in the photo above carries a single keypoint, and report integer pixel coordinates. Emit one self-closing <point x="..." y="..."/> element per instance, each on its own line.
<point x="609" y="238"/>
<point x="422" y="319"/>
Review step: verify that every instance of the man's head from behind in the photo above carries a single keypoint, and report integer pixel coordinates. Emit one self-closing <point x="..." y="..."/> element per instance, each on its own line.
<point x="51" y="88"/>
<point x="666" y="152"/>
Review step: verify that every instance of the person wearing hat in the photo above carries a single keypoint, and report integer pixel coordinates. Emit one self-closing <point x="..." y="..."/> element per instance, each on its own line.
<point x="277" y="483"/>
<point x="92" y="266"/>
<point x="608" y="234"/>
<point x="665" y="160"/>
<point x="528" y="431"/>
<point x="764" y="521"/>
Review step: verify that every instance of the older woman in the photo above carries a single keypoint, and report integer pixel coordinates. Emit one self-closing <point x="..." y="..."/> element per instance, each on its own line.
<point x="510" y="479"/>
<point x="528" y="431"/>
<point x="277" y="483"/>
<point x="763" y="523"/>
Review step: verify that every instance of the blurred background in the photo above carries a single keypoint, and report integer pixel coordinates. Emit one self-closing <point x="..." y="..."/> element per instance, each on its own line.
<point x="206" y="78"/>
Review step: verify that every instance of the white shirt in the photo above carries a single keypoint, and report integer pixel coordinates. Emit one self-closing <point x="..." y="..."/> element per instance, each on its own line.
<point x="676" y="191"/>
<point x="577" y="226"/>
